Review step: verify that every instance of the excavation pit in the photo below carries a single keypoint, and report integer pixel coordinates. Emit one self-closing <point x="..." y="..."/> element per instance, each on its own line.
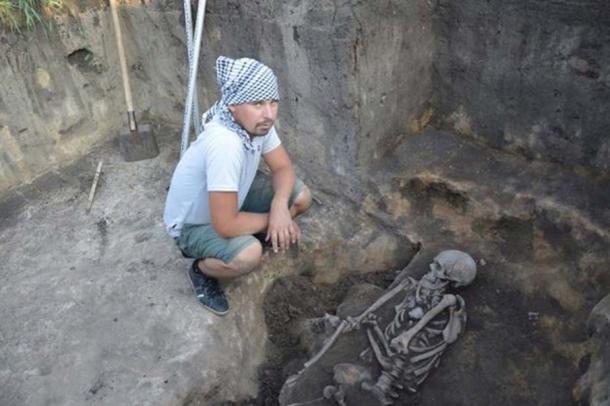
<point x="505" y="353"/>
<point x="419" y="125"/>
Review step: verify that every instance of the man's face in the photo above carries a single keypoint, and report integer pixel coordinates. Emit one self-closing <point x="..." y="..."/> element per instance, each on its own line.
<point x="255" y="117"/>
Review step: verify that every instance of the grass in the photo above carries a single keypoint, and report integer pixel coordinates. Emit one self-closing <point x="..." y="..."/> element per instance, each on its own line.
<point x="16" y="15"/>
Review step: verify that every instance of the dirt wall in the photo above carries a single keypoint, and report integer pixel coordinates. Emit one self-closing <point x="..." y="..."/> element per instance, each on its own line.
<point x="353" y="75"/>
<point x="529" y="77"/>
<point x="343" y="99"/>
<point x="357" y="78"/>
<point x="61" y="92"/>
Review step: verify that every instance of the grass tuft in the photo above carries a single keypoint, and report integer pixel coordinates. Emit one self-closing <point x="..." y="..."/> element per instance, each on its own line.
<point x="16" y="15"/>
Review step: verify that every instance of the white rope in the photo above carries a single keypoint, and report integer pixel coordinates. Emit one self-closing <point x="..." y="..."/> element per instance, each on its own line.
<point x="193" y="66"/>
<point x="188" y="20"/>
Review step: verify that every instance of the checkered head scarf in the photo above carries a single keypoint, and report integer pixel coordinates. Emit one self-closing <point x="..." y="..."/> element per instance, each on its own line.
<point x="240" y="81"/>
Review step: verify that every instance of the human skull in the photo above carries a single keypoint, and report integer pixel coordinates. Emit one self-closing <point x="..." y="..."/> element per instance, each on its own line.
<point x="455" y="266"/>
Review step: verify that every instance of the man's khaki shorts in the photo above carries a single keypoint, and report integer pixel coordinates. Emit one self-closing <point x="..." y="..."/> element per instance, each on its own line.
<point x="201" y="240"/>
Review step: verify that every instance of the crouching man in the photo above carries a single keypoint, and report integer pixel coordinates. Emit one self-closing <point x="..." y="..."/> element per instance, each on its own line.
<point x="217" y="200"/>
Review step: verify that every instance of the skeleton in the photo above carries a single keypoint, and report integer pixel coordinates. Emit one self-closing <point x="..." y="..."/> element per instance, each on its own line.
<point x="426" y="321"/>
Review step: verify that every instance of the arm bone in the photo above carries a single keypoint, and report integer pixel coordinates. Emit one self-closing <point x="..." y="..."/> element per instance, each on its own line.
<point x="357" y="320"/>
<point x="401" y="342"/>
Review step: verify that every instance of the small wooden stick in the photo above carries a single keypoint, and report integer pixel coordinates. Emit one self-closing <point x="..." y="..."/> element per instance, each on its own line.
<point x="96" y="179"/>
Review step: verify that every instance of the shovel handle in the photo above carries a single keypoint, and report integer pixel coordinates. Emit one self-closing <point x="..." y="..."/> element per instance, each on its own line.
<point x="121" y="49"/>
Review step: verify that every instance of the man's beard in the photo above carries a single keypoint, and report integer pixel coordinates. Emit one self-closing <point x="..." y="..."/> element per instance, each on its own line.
<point x="263" y="129"/>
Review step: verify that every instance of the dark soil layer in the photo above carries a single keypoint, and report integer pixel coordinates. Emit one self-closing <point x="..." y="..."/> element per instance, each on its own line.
<point x="508" y="354"/>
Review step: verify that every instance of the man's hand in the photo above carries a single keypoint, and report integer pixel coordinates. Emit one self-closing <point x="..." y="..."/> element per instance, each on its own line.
<point x="282" y="230"/>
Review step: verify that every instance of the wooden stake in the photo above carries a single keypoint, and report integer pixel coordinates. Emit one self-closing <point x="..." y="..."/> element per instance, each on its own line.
<point x="96" y="179"/>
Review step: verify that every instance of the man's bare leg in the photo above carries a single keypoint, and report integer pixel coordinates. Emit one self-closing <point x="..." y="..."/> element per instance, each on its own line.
<point x="302" y="203"/>
<point x="248" y="259"/>
<point x="245" y="262"/>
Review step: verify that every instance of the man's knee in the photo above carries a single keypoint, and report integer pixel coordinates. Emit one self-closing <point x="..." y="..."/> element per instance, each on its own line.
<point x="302" y="202"/>
<point x="248" y="259"/>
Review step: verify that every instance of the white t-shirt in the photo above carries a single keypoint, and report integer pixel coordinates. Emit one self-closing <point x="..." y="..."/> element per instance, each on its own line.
<point x="215" y="162"/>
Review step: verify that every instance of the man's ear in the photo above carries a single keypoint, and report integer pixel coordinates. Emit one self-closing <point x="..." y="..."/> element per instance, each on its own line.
<point x="231" y="108"/>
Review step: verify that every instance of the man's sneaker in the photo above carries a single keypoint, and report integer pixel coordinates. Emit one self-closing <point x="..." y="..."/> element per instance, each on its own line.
<point x="208" y="291"/>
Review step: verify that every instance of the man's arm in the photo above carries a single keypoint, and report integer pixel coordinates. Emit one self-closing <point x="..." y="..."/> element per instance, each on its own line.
<point x="229" y="222"/>
<point x="281" y="230"/>
<point x="282" y="175"/>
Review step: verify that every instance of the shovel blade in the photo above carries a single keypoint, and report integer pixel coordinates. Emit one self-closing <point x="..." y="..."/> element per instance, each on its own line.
<point x="138" y="145"/>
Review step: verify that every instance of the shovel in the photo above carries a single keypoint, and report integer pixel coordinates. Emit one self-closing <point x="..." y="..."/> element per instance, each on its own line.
<point x="134" y="144"/>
